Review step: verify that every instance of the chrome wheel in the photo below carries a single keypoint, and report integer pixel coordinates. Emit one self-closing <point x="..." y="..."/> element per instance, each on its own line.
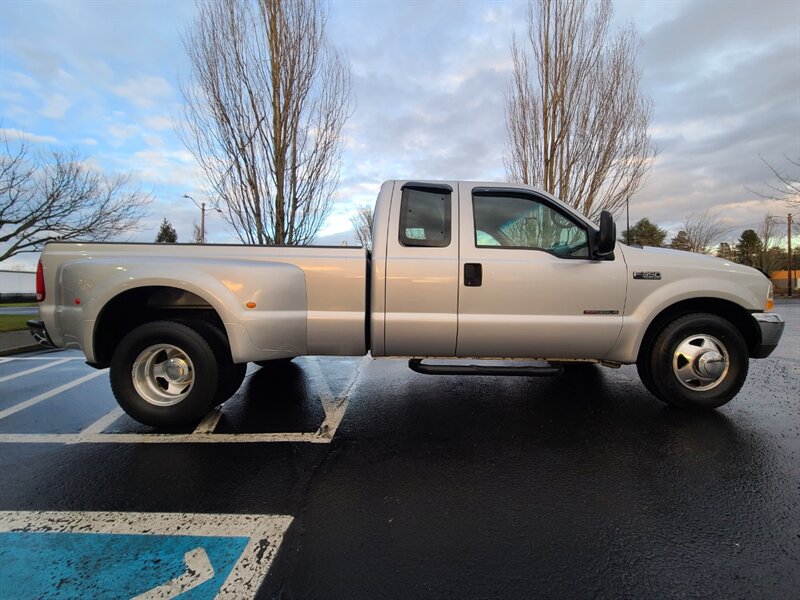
<point x="163" y="374"/>
<point x="700" y="362"/>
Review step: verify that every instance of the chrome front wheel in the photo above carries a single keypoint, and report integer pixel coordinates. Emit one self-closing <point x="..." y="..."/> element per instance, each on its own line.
<point x="700" y="362"/>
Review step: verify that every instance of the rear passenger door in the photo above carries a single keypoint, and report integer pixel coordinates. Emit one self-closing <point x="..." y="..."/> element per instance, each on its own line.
<point x="422" y="270"/>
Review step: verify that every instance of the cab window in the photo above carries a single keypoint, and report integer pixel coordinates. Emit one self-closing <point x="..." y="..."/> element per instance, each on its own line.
<point x="425" y="217"/>
<point x="525" y="222"/>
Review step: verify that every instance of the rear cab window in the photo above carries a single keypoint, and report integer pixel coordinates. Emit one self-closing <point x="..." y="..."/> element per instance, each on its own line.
<point x="425" y="216"/>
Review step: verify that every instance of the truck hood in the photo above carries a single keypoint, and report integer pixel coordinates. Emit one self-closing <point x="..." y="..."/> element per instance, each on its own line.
<point x="707" y="272"/>
<point x="667" y="257"/>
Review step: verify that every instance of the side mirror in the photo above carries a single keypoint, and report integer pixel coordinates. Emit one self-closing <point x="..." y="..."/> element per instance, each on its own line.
<point x="607" y="237"/>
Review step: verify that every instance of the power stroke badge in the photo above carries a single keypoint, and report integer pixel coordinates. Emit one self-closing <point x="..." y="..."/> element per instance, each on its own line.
<point x="649" y="275"/>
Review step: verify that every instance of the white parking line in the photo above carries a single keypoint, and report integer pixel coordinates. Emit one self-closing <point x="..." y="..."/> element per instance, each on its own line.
<point x="5" y="359"/>
<point x="209" y="422"/>
<point x="62" y="388"/>
<point x="54" y="363"/>
<point x="161" y="438"/>
<point x="103" y="422"/>
<point x="333" y="407"/>
<point x="265" y="533"/>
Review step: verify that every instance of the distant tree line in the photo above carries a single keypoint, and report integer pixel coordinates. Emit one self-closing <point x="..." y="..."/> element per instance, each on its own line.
<point x="763" y="249"/>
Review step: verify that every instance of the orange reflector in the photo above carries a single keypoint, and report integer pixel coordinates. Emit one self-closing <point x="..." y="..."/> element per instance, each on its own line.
<point x="250" y="305"/>
<point x="770" y="304"/>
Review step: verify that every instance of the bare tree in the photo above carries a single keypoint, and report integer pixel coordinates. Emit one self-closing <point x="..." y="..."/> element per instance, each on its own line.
<point x="264" y="114"/>
<point x="787" y="188"/>
<point x="362" y="225"/>
<point x="57" y="196"/>
<point x="702" y="230"/>
<point x="197" y="234"/>
<point x="576" y="120"/>
<point x="770" y="255"/>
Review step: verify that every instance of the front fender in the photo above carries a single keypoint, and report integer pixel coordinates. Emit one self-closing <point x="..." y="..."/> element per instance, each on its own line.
<point x="643" y="307"/>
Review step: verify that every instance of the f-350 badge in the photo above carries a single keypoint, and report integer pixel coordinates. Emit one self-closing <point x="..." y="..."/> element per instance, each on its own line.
<point x="650" y="275"/>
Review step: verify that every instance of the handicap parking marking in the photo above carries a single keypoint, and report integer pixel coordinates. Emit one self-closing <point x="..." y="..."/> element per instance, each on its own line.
<point x="144" y="556"/>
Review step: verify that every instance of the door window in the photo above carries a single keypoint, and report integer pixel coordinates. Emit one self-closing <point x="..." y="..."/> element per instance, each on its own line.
<point x="522" y="221"/>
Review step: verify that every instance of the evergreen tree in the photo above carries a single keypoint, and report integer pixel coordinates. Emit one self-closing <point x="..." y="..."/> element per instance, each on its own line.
<point x="167" y="233"/>
<point x="725" y="251"/>
<point x="645" y="233"/>
<point x="681" y="242"/>
<point x="748" y="248"/>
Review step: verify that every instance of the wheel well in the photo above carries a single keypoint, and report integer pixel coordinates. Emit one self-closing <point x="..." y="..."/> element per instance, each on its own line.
<point x="731" y="311"/>
<point x="135" y="307"/>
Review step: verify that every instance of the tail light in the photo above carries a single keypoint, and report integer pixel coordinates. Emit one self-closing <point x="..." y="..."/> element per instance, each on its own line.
<point x="40" y="295"/>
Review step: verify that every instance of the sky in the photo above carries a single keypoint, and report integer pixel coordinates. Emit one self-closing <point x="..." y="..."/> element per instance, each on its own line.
<point x="429" y="86"/>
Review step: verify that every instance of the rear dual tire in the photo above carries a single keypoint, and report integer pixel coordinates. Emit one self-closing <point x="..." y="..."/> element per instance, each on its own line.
<point x="167" y="373"/>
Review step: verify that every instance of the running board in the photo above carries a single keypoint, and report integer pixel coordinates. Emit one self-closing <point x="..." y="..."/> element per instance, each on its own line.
<point x="415" y="364"/>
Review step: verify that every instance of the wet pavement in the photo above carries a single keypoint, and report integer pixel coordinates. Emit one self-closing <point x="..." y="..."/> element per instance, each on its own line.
<point x="400" y="485"/>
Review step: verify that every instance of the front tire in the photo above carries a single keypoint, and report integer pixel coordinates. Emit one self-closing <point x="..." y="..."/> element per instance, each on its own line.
<point x="164" y="374"/>
<point x="699" y="361"/>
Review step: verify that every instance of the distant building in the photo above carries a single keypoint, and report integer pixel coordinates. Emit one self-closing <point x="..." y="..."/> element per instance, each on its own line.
<point x="17" y="286"/>
<point x="780" y="281"/>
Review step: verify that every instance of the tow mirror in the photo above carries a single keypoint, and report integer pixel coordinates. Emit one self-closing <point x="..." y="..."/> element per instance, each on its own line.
<point x="607" y="237"/>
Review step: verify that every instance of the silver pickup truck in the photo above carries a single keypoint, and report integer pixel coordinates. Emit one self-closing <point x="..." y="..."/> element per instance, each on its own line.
<point x="458" y="270"/>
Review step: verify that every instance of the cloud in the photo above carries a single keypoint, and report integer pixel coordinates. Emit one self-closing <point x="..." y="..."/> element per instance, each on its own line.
<point x="122" y="131"/>
<point x="55" y="106"/>
<point x="158" y="122"/>
<point x="17" y="135"/>
<point x="144" y="91"/>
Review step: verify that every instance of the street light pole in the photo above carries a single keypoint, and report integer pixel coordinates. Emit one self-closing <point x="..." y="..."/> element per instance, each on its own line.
<point x="202" y="208"/>
<point x="789" y="248"/>
<point x="628" y="219"/>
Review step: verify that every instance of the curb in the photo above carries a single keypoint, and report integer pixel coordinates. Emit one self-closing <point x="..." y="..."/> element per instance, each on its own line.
<point x="17" y="342"/>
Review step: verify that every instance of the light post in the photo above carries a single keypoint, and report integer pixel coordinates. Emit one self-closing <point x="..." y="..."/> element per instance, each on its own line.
<point x="202" y="207"/>
<point x="628" y="219"/>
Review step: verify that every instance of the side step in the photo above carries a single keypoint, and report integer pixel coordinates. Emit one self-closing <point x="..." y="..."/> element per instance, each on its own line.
<point x="415" y="364"/>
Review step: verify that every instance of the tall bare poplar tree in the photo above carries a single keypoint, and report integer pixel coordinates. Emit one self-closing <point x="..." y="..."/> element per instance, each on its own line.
<point x="575" y="117"/>
<point x="264" y="113"/>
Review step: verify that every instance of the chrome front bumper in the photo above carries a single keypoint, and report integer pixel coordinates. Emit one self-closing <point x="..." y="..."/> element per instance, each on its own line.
<point x="770" y="327"/>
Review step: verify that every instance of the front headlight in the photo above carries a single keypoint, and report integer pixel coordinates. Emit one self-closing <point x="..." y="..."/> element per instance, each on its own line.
<point x="770" y="299"/>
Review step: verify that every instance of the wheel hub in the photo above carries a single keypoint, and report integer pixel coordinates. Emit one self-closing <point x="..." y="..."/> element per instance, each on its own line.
<point x="177" y="370"/>
<point x="710" y="364"/>
<point x="700" y="362"/>
<point x="163" y="374"/>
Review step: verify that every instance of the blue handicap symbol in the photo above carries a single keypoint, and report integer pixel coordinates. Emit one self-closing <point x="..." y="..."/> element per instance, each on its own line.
<point x="110" y="566"/>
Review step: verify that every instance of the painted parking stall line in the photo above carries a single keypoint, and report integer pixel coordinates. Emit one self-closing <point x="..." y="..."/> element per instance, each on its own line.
<point x="47" y="395"/>
<point x="136" y="555"/>
<point x="334" y="408"/>
<point x="32" y="370"/>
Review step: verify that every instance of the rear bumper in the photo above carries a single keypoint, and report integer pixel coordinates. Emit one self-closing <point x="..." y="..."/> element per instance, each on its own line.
<point x="770" y="327"/>
<point x="39" y="334"/>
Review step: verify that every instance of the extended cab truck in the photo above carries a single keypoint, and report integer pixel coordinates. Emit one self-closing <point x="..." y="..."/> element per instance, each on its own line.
<point x="458" y="270"/>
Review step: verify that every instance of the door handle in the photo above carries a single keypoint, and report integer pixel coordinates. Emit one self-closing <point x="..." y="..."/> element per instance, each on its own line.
<point x="473" y="274"/>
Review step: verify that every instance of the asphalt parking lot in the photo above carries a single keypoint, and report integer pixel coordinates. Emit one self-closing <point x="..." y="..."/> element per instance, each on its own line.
<point x="357" y="478"/>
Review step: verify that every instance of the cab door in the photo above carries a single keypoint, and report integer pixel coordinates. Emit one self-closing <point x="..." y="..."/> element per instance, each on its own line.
<point x="421" y="315"/>
<point x="527" y="287"/>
